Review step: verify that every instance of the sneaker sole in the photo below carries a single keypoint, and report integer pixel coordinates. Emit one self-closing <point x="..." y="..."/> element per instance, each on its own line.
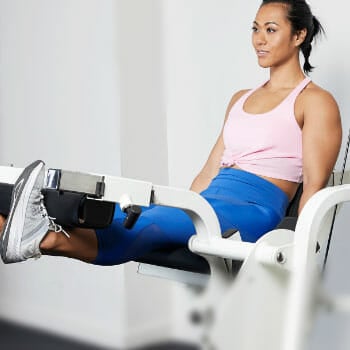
<point x="23" y="186"/>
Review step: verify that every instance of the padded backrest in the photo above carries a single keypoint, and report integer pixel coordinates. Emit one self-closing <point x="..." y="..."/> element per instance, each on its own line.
<point x="293" y="206"/>
<point x="290" y="220"/>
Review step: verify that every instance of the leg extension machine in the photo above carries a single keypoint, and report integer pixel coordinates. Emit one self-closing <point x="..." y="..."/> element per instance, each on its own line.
<point x="267" y="303"/>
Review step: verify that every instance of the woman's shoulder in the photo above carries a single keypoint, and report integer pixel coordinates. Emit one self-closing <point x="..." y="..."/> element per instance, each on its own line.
<point x="239" y="94"/>
<point x="315" y="94"/>
<point x="318" y="101"/>
<point x="235" y="97"/>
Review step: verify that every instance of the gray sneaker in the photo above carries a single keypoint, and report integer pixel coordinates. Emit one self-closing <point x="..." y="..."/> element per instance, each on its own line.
<point x="28" y="221"/>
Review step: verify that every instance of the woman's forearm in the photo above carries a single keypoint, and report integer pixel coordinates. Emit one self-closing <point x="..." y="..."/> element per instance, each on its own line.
<point x="200" y="183"/>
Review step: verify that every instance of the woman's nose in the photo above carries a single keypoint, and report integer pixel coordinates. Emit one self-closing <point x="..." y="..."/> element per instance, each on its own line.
<point x="260" y="38"/>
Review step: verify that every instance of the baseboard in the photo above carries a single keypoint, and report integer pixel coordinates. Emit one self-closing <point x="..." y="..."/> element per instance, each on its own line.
<point x="68" y="326"/>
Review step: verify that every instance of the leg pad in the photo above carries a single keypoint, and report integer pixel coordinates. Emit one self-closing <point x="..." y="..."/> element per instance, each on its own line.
<point x="70" y="209"/>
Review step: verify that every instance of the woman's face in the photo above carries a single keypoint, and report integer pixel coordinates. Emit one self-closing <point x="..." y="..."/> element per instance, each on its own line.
<point x="272" y="36"/>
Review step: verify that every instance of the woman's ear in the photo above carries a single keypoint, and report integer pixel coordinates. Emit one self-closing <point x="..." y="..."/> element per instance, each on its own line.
<point x="300" y="36"/>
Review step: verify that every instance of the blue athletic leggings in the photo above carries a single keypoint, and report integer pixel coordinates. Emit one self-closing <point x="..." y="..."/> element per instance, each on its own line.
<point x="240" y="199"/>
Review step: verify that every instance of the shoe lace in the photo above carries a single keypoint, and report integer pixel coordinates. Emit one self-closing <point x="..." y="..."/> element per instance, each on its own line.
<point x="53" y="226"/>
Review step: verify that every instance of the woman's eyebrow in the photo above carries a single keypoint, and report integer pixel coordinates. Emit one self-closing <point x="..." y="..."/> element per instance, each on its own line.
<point x="266" y="23"/>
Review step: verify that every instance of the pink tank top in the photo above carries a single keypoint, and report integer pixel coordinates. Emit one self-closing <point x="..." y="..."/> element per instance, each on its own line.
<point x="267" y="144"/>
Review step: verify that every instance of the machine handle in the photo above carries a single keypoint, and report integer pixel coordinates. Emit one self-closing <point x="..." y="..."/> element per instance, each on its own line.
<point x="132" y="214"/>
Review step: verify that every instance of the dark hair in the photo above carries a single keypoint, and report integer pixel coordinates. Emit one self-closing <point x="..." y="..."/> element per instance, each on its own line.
<point x="300" y="16"/>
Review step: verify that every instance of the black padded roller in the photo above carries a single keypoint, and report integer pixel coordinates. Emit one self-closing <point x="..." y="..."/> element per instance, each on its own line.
<point x="70" y="209"/>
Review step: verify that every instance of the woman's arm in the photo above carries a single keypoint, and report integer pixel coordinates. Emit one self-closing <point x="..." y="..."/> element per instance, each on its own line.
<point x="212" y="165"/>
<point x="322" y="135"/>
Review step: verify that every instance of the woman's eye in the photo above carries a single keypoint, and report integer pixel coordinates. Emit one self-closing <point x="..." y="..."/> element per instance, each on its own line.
<point x="254" y="29"/>
<point x="270" y="30"/>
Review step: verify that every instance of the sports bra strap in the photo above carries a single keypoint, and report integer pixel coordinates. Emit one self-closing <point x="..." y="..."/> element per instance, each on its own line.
<point x="298" y="89"/>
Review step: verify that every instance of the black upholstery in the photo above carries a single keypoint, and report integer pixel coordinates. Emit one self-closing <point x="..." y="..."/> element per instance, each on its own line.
<point x="5" y="198"/>
<point x="290" y="220"/>
<point x="77" y="210"/>
<point x="70" y="209"/>
<point x="180" y="258"/>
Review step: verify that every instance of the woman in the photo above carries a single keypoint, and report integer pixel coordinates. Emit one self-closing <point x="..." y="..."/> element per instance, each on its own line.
<point x="272" y="139"/>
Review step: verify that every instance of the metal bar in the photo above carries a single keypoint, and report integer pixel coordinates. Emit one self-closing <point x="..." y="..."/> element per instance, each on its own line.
<point x="227" y="249"/>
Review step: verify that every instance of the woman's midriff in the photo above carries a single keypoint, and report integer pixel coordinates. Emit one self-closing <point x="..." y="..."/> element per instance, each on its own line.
<point x="288" y="187"/>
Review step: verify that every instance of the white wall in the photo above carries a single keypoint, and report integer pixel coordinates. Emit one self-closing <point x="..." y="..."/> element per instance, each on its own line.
<point x="59" y="98"/>
<point x="144" y="152"/>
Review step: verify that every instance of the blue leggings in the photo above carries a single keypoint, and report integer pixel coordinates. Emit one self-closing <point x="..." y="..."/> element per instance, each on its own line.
<point x="240" y="200"/>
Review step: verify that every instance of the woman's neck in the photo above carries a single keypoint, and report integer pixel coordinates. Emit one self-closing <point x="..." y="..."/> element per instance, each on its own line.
<point x="285" y="76"/>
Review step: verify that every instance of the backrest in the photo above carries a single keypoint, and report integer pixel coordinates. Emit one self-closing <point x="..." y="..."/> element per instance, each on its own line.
<point x="293" y="206"/>
<point x="290" y="220"/>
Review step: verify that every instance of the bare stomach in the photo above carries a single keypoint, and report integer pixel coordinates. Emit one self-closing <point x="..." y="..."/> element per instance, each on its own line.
<point x="288" y="187"/>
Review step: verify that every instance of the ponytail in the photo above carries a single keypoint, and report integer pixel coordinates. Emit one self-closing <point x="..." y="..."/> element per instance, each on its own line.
<point x="316" y="30"/>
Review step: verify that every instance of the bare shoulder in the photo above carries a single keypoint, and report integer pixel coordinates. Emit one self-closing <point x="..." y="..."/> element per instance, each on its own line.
<point x="236" y="96"/>
<point x="318" y="101"/>
<point x="321" y="115"/>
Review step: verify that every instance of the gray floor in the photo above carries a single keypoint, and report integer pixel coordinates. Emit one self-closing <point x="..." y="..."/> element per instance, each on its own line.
<point x="13" y="337"/>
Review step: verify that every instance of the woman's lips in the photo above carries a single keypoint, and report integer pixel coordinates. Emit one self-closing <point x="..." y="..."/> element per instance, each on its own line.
<point x="262" y="53"/>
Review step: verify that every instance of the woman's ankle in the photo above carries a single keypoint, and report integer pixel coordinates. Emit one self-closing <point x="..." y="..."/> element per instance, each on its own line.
<point x="52" y="242"/>
<point x="81" y="244"/>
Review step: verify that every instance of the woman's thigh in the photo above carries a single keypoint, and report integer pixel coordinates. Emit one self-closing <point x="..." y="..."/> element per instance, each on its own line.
<point x="162" y="227"/>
